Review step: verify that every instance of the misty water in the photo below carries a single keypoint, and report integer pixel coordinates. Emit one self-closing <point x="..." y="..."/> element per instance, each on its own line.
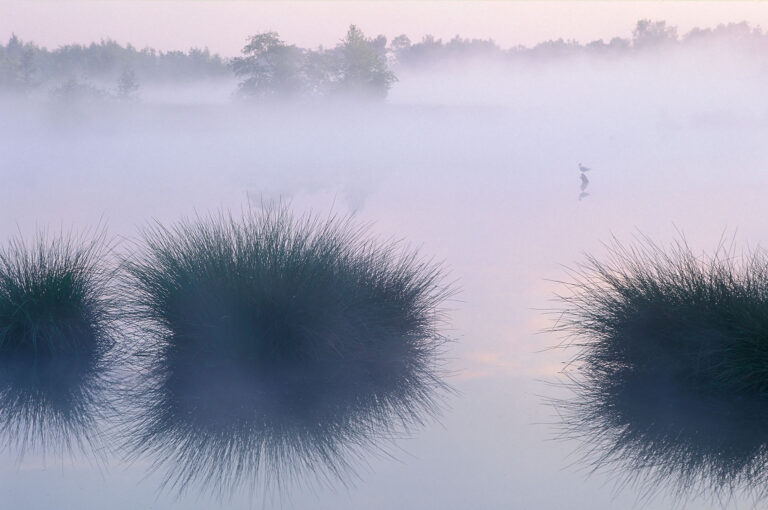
<point x="478" y="168"/>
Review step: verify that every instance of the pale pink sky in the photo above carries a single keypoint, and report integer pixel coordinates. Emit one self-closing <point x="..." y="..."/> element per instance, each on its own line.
<point x="224" y="25"/>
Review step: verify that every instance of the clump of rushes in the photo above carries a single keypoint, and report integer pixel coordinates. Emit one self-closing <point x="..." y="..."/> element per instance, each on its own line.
<point x="670" y="376"/>
<point x="698" y="321"/>
<point x="56" y="328"/>
<point x="277" y="345"/>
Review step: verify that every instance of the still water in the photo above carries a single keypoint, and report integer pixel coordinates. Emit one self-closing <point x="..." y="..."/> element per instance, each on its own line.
<point x="489" y="190"/>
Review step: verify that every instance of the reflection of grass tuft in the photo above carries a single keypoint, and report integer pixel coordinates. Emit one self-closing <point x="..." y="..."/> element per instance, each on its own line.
<point x="279" y="345"/>
<point x="658" y="437"/>
<point x="56" y="328"/>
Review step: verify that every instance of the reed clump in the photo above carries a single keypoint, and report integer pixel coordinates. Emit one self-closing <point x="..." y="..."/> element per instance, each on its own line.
<point x="698" y="320"/>
<point x="670" y="375"/>
<point x="278" y="344"/>
<point x="57" y="328"/>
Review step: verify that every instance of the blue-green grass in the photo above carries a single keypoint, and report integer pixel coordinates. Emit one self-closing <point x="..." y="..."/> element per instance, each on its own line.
<point x="699" y="319"/>
<point x="57" y="328"/>
<point x="276" y="345"/>
<point x="670" y="373"/>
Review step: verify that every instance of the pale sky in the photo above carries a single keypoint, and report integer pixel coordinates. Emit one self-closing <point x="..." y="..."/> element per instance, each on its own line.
<point x="223" y="25"/>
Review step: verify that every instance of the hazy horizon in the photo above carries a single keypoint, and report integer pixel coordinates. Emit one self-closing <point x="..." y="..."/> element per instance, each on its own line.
<point x="223" y="26"/>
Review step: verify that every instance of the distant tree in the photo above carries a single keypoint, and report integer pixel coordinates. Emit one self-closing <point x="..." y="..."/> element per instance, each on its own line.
<point x="270" y="68"/>
<point x="321" y="72"/>
<point x="428" y="50"/>
<point x="400" y="44"/>
<point x="9" y="74"/>
<point x="27" y="68"/>
<point x="732" y="32"/>
<point x="379" y="44"/>
<point x="559" y="48"/>
<point x="73" y="91"/>
<point x="615" y="47"/>
<point x="364" y="68"/>
<point x="202" y="59"/>
<point x="463" y="48"/>
<point x="619" y="44"/>
<point x="649" y="34"/>
<point x="17" y="68"/>
<point x="127" y="85"/>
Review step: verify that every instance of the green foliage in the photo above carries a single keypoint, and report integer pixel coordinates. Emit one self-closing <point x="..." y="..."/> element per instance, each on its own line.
<point x="357" y="67"/>
<point x="648" y="33"/>
<point x="73" y="91"/>
<point x="17" y="71"/>
<point x="364" y="70"/>
<point x="270" y="67"/>
<point x="25" y="65"/>
<point x="127" y="85"/>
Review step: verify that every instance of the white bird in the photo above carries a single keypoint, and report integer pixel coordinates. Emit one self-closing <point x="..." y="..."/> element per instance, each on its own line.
<point x="583" y="169"/>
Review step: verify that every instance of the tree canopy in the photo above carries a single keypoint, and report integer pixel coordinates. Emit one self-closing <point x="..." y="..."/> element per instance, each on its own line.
<point x="357" y="66"/>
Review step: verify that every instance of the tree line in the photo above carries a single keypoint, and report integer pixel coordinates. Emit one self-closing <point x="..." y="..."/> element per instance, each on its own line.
<point x="25" y="65"/>
<point x="269" y="67"/>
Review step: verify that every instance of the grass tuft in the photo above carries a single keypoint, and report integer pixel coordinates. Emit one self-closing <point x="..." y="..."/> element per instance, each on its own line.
<point x="672" y="368"/>
<point x="57" y="324"/>
<point x="702" y="321"/>
<point x="278" y="345"/>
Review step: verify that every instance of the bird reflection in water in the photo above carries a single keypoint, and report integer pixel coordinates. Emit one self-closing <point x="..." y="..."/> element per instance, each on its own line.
<point x="584" y="182"/>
